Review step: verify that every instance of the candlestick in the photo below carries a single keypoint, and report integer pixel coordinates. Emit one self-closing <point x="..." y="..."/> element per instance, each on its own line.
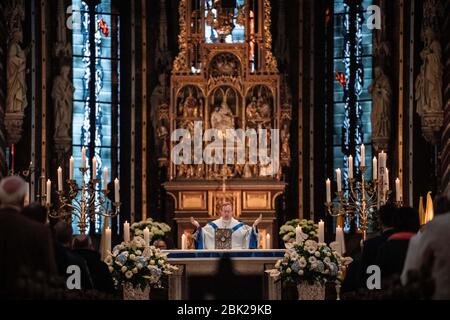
<point x="105" y="178"/>
<point x="126" y="232"/>
<point x="108" y="239"/>
<point x="398" y="194"/>
<point x="71" y="168"/>
<point x="386" y="179"/>
<point x="83" y="157"/>
<point x="298" y="234"/>
<point x="339" y="180"/>
<point x="375" y="168"/>
<point x="147" y="236"/>
<point x="94" y="168"/>
<point x="321" y="231"/>
<point x="49" y="192"/>
<point x="350" y="167"/>
<point x="116" y="190"/>
<point x="328" y="187"/>
<point x="363" y="155"/>
<point x="60" y="182"/>
<point x="268" y="242"/>
<point x="183" y="242"/>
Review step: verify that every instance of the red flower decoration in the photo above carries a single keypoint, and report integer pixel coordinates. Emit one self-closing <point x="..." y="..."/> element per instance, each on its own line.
<point x="341" y="78"/>
<point x="103" y="26"/>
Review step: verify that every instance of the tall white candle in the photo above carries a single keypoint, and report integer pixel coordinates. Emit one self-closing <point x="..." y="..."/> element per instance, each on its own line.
<point x="105" y="178"/>
<point x="321" y="231"/>
<point x="116" y="190"/>
<point x="298" y="234"/>
<point x="126" y="232"/>
<point x="60" y="181"/>
<point x="48" y="194"/>
<point x="94" y="168"/>
<point x="363" y="155"/>
<point x="382" y="159"/>
<point x="83" y="157"/>
<point x="108" y="239"/>
<point x="147" y="236"/>
<point x="350" y="167"/>
<point x="183" y="242"/>
<point x="340" y="240"/>
<point x="26" y="200"/>
<point x="375" y="168"/>
<point x="398" y="192"/>
<point x="71" y="168"/>
<point x="339" y="180"/>
<point x="268" y="242"/>
<point x="328" y="187"/>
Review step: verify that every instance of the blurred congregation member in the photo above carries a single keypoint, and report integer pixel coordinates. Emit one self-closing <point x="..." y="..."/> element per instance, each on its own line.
<point x="429" y="250"/>
<point x="35" y="212"/>
<point x="25" y="245"/>
<point x="65" y="257"/>
<point x="100" y="275"/>
<point x="391" y="255"/>
<point x="386" y="215"/>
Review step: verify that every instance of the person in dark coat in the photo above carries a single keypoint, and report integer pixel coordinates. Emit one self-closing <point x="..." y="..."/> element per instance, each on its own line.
<point x="25" y="246"/>
<point x="35" y="212"/>
<point x="65" y="257"/>
<point x="101" y="277"/>
<point x="386" y="217"/>
<point x="392" y="254"/>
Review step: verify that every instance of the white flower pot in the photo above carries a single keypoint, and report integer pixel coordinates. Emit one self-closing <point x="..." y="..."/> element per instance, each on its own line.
<point x="131" y="293"/>
<point x="311" y="291"/>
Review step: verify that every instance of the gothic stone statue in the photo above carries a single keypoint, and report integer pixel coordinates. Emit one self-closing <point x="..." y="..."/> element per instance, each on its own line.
<point x="62" y="92"/>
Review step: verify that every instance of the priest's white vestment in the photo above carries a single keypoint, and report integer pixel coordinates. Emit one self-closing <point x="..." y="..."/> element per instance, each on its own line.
<point x="242" y="236"/>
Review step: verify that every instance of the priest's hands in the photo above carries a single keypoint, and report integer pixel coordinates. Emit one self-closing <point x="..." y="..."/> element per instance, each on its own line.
<point x="195" y="222"/>
<point x="257" y="221"/>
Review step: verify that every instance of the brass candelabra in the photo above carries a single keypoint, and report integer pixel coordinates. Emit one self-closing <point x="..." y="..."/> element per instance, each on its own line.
<point x="87" y="207"/>
<point x="362" y="199"/>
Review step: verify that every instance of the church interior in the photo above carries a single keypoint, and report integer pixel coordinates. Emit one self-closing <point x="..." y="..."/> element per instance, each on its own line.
<point x="149" y="147"/>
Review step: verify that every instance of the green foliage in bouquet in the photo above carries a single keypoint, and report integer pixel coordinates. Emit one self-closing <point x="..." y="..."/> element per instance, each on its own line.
<point x="158" y="230"/>
<point x="287" y="231"/>
<point x="138" y="264"/>
<point x="311" y="261"/>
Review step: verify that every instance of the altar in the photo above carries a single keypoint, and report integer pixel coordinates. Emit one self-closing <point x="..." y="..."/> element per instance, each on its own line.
<point x="207" y="274"/>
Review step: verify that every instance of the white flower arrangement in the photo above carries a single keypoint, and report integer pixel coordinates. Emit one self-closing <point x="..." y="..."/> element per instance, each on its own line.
<point x="158" y="230"/>
<point x="134" y="262"/>
<point x="310" y="261"/>
<point x="309" y="228"/>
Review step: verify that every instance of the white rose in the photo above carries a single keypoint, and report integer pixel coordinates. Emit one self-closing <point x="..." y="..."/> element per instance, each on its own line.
<point x="152" y="262"/>
<point x="300" y="273"/>
<point x="140" y="266"/>
<point x="132" y="257"/>
<point x="160" y="262"/>
<point x="129" y="274"/>
<point x="138" y="252"/>
<point x="302" y="262"/>
<point x="135" y="270"/>
<point x="108" y="260"/>
<point x="124" y="269"/>
<point x="288" y="270"/>
<point x="317" y="254"/>
<point x="111" y="269"/>
<point x="328" y="254"/>
<point x="312" y="260"/>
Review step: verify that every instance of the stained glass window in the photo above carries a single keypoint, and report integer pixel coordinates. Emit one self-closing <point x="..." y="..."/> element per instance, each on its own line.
<point x="106" y="85"/>
<point x="237" y="35"/>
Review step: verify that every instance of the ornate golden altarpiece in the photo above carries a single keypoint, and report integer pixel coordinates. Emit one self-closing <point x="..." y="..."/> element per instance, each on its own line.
<point x="225" y="76"/>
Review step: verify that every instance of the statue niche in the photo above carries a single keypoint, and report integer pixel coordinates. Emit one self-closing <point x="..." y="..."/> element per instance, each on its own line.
<point x="224" y="102"/>
<point x="190" y="107"/>
<point x="259" y="107"/>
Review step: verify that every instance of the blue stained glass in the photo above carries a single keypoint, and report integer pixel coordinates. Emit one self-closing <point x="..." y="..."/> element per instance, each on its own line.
<point x="82" y="60"/>
<point x="238" y="33"/>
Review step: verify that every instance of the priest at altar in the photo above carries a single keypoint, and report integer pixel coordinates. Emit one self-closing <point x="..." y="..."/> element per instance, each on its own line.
<point x="226" y="232"/>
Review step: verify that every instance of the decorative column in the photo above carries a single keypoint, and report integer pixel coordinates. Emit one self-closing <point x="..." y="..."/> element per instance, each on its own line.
<point x="144" y="154"/>
<point x="445" y="164"/>
<point x="62" y="91"/>
<point x="3" y="41"/>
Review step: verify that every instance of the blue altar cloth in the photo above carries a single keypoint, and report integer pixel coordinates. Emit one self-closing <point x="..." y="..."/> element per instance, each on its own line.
<point x="217" y="254"/>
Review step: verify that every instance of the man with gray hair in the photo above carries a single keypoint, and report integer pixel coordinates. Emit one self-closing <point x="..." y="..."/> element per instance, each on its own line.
<point x="26" y="244"/>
